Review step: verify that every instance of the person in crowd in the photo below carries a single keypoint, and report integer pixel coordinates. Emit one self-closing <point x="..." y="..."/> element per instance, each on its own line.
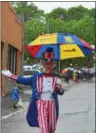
<point x="67" y="76"/>
<point x="75" y="76"/>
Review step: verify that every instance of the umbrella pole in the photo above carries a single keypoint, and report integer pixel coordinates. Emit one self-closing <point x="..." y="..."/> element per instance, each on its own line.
<point x="59" y="60"/>
<point x="59" y="66"/>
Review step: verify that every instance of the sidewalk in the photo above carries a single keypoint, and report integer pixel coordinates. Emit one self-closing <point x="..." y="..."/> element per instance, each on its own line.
<point x="6" y="103"/>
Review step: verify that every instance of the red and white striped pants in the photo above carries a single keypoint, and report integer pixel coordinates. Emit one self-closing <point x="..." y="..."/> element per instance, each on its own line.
<point x="46" y="116"/>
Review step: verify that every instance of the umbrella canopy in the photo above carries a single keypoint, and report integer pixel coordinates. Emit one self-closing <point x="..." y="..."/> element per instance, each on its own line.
<point x="64" y="46"/>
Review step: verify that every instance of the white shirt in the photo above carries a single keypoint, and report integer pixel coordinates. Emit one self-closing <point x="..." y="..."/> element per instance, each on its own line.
<point x="47" y="87"/>
<point x="47" y="83"/>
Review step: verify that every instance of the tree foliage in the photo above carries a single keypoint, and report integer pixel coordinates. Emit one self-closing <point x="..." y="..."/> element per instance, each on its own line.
<point x="57" y="13"/>
<point x="28" y="9"/>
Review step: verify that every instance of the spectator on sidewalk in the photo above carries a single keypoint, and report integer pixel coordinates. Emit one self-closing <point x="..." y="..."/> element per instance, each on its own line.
<point x="75" y="76"/>
<point x="67" y="75"/>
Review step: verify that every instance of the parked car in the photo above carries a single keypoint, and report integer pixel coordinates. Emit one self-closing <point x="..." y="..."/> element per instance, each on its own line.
<point x="33" y="67"/>
<point x="37" y="66"/>
<point x="27" y="68"/>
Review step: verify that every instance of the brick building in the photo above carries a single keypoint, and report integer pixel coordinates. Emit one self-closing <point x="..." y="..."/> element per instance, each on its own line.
<point x="11" y="45"/>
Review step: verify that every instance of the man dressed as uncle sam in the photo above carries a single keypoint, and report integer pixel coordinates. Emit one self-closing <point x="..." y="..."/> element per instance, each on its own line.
<point x="43" y="110"/>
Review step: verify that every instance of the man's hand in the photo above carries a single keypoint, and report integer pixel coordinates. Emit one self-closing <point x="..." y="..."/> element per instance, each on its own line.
<point x="59" y="89"/>
<point x="58" y="85"/>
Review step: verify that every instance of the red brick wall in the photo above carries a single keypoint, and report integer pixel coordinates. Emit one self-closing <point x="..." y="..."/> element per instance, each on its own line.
<point x="11" y="29"/>
<point x="11" y="33"/>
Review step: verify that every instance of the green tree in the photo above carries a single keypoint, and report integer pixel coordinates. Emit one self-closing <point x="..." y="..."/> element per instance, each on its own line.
<point x="28" y="9"/>
<point x="77" y="12"/>
<point x="57" y="13"/>
<point x="92" y="12"/>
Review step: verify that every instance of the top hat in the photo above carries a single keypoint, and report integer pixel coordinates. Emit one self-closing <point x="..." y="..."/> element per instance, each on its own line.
<point x="48" y="55"/>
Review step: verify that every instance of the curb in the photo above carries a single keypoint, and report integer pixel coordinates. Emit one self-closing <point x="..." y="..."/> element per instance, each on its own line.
<point x="11" y="114"/>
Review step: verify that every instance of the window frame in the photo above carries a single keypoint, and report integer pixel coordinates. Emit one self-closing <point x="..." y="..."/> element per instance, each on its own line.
<point x="12" y="59"/>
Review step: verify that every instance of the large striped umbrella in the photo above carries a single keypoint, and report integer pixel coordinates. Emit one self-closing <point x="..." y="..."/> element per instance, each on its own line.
<point x="64" y="46"/>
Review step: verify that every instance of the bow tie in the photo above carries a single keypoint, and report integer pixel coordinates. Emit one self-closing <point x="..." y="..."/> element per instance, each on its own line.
<point x="48" y="75"/>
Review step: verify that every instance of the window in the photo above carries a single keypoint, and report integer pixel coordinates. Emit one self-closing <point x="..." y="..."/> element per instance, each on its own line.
<point x="12" y="59"/>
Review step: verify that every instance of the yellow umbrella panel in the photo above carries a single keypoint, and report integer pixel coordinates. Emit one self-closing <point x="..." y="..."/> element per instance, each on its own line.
<point x="45" y="39"/>
<point x="70" y="51"/>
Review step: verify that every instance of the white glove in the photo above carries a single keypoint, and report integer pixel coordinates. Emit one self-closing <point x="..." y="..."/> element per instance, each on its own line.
<point x="9" y="74"/>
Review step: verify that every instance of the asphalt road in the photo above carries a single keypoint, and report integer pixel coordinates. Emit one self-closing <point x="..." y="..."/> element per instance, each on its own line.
<point x="77" y="113"/>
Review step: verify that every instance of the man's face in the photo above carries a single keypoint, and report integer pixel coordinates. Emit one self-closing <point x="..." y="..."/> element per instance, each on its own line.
<point x="48" y="67"/>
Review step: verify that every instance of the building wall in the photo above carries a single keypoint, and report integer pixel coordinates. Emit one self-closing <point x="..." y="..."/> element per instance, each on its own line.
<point x="11" y="33"/>
<point x="11" y="29"/>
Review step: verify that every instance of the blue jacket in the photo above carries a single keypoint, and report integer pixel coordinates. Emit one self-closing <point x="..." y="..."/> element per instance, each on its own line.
<point x="15" y="95"/>
<point x="32" y="109"/>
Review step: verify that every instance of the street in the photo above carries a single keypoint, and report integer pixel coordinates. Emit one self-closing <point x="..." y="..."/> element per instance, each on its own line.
<point x="77" y="113"/>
